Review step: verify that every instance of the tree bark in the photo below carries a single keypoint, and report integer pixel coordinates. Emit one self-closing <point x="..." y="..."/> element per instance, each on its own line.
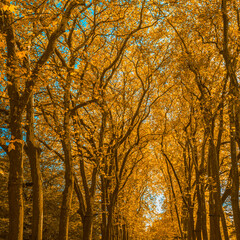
<point x="33" y="151"/>
<point x="69" y="177"/>
<point x="15" y="148"/>
<point x="87" y="226"/>
<point x="202" y="191"/>
<point x="15" y="182"/>
<point x="214" y="189"/>
<point x="233" y="103"/>
<point x="224" y="225"/>
<point x="234" y="175"/>
<point x="200" y="210"/>
<point x="103" y="208"/>
<point x="204" y="217"/>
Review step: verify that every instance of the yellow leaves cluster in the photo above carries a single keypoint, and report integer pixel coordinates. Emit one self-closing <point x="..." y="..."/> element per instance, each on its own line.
<point x="10" y="8"/>
<point x="2" y="44"/>
<point x="2" y="141"/>
<point x="21" y="54"/>
<point x="11" y="147"/>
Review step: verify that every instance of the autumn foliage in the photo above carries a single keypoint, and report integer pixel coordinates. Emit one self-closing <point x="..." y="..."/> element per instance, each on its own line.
<point x="119" y="120"/>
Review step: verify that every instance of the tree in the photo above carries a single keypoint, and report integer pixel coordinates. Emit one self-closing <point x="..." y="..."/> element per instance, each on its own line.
<point x="115" y="103"/>
<point x="19" y="96"/>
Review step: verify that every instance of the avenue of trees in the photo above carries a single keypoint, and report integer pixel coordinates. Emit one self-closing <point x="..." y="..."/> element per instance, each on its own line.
<point x="111" y="110"/>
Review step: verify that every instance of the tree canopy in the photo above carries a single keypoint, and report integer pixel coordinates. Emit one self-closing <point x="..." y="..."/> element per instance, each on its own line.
<point x="119" y="120"/>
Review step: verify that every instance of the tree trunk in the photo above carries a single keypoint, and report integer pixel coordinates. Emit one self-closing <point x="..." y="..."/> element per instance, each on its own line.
<point x="235" y="176"/>
<point x="202" y="191"/>
<point x="109" y="225"/>
<point x="66" y="207"/>
<point x="69" y="177"/>
<point x="33" y="151"/>
<point x="87" y="227"/>
<point x="37" y="222"/>
<point x="15" y="186"/>
<point x="200" y="210"/>
<point x="224" y="225"/>
<point x="125" y="237"/>
<point x="233" y="103"/>
<point x="191" y="234"/>
<point x="214" y="189"/>
<point x="103" y="208"/>
<point x="204" y="218"/>
<point x="15" y="148"/>
<point x="37" y="219"/>
<point x="233" y="145"/>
